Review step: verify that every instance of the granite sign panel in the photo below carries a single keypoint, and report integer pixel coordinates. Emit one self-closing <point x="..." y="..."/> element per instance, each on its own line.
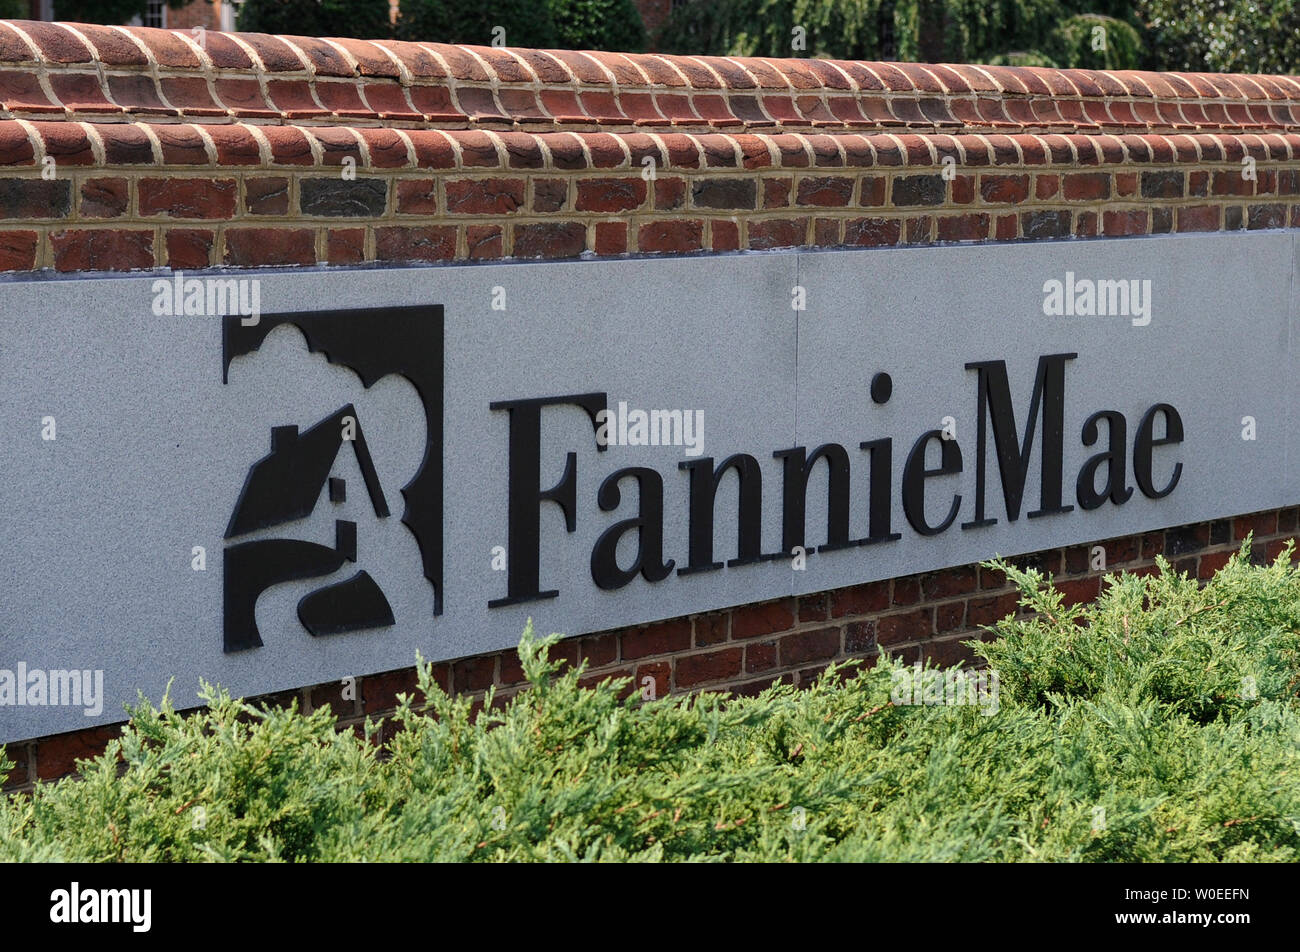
<point x="270" y="479"/>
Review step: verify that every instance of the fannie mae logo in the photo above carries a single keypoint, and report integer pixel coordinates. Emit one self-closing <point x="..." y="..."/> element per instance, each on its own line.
<point x="1013" y="423"/>
<point x="284" y="486"/>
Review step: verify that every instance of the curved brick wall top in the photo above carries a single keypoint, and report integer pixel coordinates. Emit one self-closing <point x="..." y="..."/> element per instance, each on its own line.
<point x="131" y="148"/>
<point x="94" y="73"/>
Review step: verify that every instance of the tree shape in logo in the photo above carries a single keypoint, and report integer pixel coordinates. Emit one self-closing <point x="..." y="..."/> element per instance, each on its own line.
<point x="284" y="486"/>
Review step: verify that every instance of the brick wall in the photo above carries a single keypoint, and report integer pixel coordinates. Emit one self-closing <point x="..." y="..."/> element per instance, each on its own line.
<point x="255" y="150"/>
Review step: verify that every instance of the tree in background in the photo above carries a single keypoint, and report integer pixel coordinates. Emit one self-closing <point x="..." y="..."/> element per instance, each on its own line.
<point x="1194" y="35"/>
<point x="566" y="24"/>
<point x="363" y="19"/>
<point x="88" y="11"/>
<point x="477" y="22"/>
<point x="598" y="25"/>
<point x="1237" y="36"/>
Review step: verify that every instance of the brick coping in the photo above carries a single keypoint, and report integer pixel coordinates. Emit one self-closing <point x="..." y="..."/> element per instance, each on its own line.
<point x="101" y="74"/>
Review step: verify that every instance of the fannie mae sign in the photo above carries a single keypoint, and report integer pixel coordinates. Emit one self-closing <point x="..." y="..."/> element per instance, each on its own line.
<point x="283" y="478"/>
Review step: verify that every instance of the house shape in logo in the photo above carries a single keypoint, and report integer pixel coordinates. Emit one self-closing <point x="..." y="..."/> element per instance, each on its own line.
<point x="284" y="486"/>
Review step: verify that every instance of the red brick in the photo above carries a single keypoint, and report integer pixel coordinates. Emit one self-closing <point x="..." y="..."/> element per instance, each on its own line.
<point x="473" y="674"/>
<point x="330" y="695"/>
<point x="267" y="196"/>
<point x="611" y="238"/>
<point x="907" y="591"/>
<point x="905" y="626"/>
<point x="599" y="650"/>
<point x="345" y="245"/>
<point x="1004" y="188"/>
<point x="660" y="672"/>
<point x="492" y="196"/>
<point x="670" y="193"/>
<point x="19" y="775"/>
<point x="872" y="231"/>
<point x="550" y="195"/>
<point x="104" y="197"/>
<point x="807" y="646"/>
<point x="963" y="190"/>
<point x="1046" y="186"/>
<point x="963" y="227"/>
<point x="1006" y="227"/>
<point x="677" y="236"/>
<point x="662" y="638"/>
<point x="1078" y="591"/>
<point x="757" y="687"/>
<point x="949" y="616"/>
<point x="952" y="651"/>
<point x="760" y="656"/>
<point x="1260" y="523"/>
<point x="1086" y="186"/>
<point x="18" y="250"/>
<point x="777" y="233"/>
<point x="1211" y="563"/>
<point x="860" y="599"/>
<point x="270" y="246"/>
<point x="725" y="235"/>
<point x="986" y="611"/>
<point x="711" y="629"/>
<point x="596" y="677"/>
<point x="1199" y="218"/>
<point x="1131" y="221"/>
<point x="860" y="637"/>
<point x="512" y="671"/>
<point x="56" y="756"/>
<point x="110" y="249"/>
<point x="34" y="198"/>
<point x="379" y="691"/>
<point x="1232" y="183"/>
<point x="418" y="243"/>
<point x="190" y="248"/>
<point x="611" y="195"/>
<point x="484" y="241"/>
<point x="776" y="192"/>
<point x="872" y="192"/>
<point x="949" y="582"/>
<point x="1126" y="184"/>
<point x="812" y="607"/>
<point x="549" y="240"/>
<point x="188" y="198"/>
<point x="714" y="666"/>
<point x="827" y="192"/>
<point x="753" y="621"/>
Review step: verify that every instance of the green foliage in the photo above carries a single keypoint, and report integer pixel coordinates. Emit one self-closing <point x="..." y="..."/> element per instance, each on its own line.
<point x="1091" y="41"/>
<point x="363" y="19"/>
<point x="563" y="24"/>
<point x="1168" y="710"/>
<point x="1252" y="36"/>
<point x="598" y="25"/>
<point x="1197" y="35"/>
<point x="526" y="23"/>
